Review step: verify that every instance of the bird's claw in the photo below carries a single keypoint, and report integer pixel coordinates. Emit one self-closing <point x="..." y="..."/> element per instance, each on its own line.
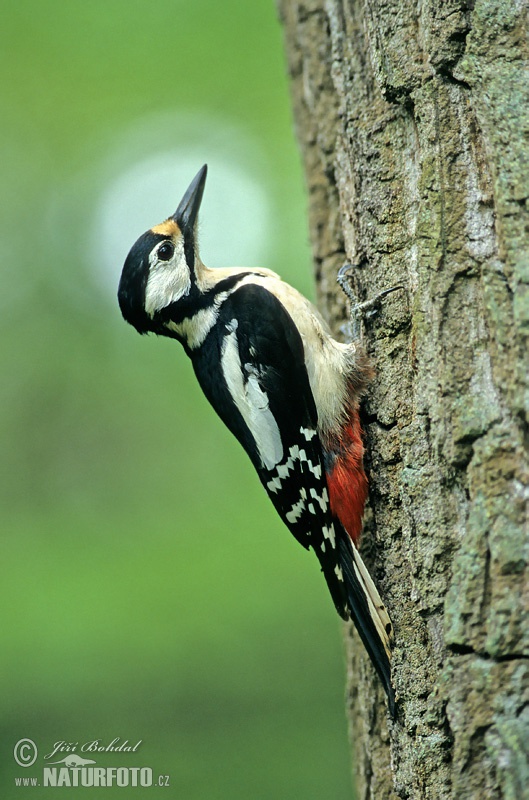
<point x="358" y="311"/>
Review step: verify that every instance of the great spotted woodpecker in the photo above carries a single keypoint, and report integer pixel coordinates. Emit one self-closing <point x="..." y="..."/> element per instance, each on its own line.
<point x="285" y="388"/>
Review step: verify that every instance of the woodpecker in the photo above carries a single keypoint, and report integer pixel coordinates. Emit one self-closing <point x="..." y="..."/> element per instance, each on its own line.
<point x="287" y="390"/>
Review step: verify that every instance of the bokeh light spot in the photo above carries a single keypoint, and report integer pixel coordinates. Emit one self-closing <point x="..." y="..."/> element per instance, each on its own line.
<point x="235" y="218"/>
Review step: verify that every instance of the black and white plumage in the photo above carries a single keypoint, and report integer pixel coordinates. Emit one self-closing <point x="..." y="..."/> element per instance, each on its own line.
<point x="283" y="386"/>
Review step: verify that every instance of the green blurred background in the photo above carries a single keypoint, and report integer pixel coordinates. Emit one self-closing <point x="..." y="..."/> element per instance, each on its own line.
<point x="149" y="591"/>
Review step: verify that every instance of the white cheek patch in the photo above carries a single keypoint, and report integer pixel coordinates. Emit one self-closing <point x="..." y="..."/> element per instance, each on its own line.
<point x="251" y="401"/>
<point x="168" y="281"/>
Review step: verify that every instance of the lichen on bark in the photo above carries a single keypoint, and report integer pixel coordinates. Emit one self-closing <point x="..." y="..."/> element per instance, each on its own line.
<point x="413" y="122"/>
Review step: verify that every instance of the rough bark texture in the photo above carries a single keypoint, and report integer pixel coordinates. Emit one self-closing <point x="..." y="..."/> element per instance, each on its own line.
<point x="413" y="120"/>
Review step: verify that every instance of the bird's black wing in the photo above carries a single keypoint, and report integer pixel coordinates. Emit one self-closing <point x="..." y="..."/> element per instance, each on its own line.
<point x="264" y="396"/>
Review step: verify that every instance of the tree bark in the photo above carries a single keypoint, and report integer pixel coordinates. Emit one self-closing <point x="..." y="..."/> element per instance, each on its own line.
<point x="413" y="121"/>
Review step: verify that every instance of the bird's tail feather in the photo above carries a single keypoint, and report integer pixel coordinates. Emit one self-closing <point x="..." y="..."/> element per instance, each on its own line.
<point x="368" y="614"/>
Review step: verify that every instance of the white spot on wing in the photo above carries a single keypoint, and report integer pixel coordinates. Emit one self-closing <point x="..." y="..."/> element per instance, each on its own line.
<point x="252" y="403"/>
<point x="329" y="534"/>
<point x="274" y="485"/>
<point x="321" y="500"/>
<point x="316" y="470"/>
<point x="296" y="511"/>
<point x="283" y="470"/>
<point x="256" y="397"/>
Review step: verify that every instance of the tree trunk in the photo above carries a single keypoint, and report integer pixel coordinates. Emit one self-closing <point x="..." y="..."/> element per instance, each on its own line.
<point x="413" y="120"/>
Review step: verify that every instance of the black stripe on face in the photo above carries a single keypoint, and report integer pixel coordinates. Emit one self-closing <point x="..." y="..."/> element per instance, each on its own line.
<point x="133" y="281"/>
<point x="186" y="307"/>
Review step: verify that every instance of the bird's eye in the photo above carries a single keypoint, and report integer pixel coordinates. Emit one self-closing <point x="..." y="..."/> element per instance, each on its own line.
<point x="165" y="252"/>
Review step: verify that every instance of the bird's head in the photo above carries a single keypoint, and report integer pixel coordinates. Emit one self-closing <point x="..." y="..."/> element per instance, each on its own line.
<point x="160" y="268"/>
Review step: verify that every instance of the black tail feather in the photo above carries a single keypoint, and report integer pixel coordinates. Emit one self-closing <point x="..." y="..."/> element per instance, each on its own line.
<point x="368" y="615"/>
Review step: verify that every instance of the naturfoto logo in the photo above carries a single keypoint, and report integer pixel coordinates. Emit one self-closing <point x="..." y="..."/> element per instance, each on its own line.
<point x="69" y="768"/>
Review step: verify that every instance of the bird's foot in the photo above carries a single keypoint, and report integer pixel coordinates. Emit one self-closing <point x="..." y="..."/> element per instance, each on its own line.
<point x="358" y="311"/>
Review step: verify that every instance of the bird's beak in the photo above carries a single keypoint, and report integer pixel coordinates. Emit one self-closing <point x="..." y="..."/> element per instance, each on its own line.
<point x="186" y="214"/>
